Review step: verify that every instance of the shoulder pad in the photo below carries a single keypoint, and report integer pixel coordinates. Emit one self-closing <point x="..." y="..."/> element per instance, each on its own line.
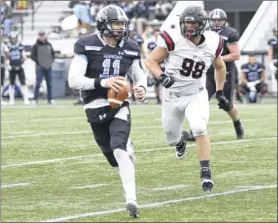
<point x="170" y="37"/>
<point x="86" y="43"/>
<point x="131" y="48"/>
<point x="215" y="41"/>
<point x="244" y="67"/>
<point x="232" y="34"/>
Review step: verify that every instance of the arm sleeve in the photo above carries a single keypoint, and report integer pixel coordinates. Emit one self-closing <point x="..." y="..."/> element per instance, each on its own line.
<point x="170" y="44"/>
<point x="137" y="74"/>
<point x="161" y="42"/>
<point x="77" y="71"/>
<point x="261" y="68"/>
<point x="233" y="38"/>
<point x="219" y="48"/>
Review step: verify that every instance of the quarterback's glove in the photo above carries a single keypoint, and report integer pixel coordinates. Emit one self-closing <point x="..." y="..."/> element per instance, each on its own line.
<point x="166" y="81"/>
<point x="223" y="101"/>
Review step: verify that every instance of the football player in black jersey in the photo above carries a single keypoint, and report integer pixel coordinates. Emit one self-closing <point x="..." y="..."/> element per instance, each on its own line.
<point x="101" y="62"/>
<point x="272" y="52"/>
<point x="231" y="53"/>
<point x="17" y="58"/>
<point x="252" y="79"/>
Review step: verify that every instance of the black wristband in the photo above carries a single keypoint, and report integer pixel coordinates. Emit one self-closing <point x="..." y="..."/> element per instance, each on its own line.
<point x="97" y="83"/>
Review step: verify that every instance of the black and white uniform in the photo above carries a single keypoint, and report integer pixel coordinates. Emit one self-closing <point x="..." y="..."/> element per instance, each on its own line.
<point x="95" y="61"/>
<point x="230" y="36"/>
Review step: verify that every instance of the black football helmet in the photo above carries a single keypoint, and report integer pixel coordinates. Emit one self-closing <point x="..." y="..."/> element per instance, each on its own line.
<point x="109" y="14"/>
<point x="193" y="14"/>
<point x="217" y="19"/>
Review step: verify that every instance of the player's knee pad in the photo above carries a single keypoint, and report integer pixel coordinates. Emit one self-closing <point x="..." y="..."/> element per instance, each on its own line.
<point x="199" y="128"/>
<point x="111" y="159"/>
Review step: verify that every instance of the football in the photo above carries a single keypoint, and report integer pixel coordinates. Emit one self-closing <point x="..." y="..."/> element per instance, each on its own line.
<point x="116" y="99"/>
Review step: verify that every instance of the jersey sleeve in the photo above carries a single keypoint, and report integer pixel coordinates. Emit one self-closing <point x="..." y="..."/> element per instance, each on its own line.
<point x="166" y="41"/>
<point x="132" y="49"/>
<point x="269" y="42"/>
<point x="79" y="47"/>
<point x="219" y="49"/>
<point x="233" y="37"/>
<point x="244" y="68"/>
<point x="261" y="68"/>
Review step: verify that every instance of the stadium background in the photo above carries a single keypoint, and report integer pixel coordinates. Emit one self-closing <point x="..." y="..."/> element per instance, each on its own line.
<point x="253" y="19"/>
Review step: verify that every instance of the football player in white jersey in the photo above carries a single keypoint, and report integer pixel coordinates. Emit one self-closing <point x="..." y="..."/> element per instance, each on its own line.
<point x="188" y="54"/>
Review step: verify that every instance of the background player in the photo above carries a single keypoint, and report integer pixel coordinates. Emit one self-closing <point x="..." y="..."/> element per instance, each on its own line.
<point x="253" y="80"/>
<point x="231" y="53"/>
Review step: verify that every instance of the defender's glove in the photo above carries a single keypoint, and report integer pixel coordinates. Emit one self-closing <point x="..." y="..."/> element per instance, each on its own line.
<point x="223" y="101"/>
<point x="166" y="81"/>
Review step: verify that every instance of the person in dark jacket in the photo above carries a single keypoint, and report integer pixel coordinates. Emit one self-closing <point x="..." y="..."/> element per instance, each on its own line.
<point x="43" y="55"/>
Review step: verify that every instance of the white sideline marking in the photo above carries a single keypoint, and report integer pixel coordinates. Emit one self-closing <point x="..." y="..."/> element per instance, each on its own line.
<point x="143" y="150"/>
<point x="157" y="204"/>
<point x="90" y="186"/>
<point x="170" y="187"/>
<point x="15" y="185"/>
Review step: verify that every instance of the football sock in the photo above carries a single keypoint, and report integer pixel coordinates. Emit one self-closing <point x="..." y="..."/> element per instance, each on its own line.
<point x="237" y="123"/>
<point x="127" y="173"/>
<point x="204" y="163"/>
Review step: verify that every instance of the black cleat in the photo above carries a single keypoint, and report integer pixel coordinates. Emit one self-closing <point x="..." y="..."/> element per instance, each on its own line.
<point x="239" y="129"/>
<point x="191" y="136"/>
<point x="181" y="148"/>
<point x="132" y="209"/>
<point x="206" y="182"/>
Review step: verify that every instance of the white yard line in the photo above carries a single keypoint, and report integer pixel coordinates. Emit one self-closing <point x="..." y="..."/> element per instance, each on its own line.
<point x="163" y="203"/>
<point x="15" y="185"/>
<point x="90" y="186"/>
<point x="144" y="150"/>
<point x="170" y="187"/>
<point x="36" y="134"/>
<point x="48" y="161"/>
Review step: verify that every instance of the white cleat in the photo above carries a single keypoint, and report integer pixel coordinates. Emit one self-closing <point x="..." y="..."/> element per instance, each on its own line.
<point x="11" y="102"/>
<point x="27" y="102"/>
<point x="3" y="103"/>
<point x="132" y="208"/>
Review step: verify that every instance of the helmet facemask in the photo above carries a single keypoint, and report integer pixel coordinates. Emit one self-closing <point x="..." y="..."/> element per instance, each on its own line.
<point x="217" y="24"/>
<point x="189" y="32"/>
<point x="117" y="33"/>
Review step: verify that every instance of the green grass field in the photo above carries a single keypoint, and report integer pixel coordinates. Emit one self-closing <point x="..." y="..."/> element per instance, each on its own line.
<point x="52" y="169"/>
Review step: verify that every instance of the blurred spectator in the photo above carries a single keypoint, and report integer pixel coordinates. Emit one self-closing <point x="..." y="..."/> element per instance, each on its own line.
<point x="272" y="51"/>
<point x="4" y="56"/>
<point x="17" y="58"/>
<point x="6" y="18"/>
<point x="163" y="9"/>
<point x="82" y="12"/>
<point x="137" y="38"/>
<point x="151" y="46"/>
<point x="252" y="80"/>
<point x="140" y="13"/>
<point x="43" y="55"/>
